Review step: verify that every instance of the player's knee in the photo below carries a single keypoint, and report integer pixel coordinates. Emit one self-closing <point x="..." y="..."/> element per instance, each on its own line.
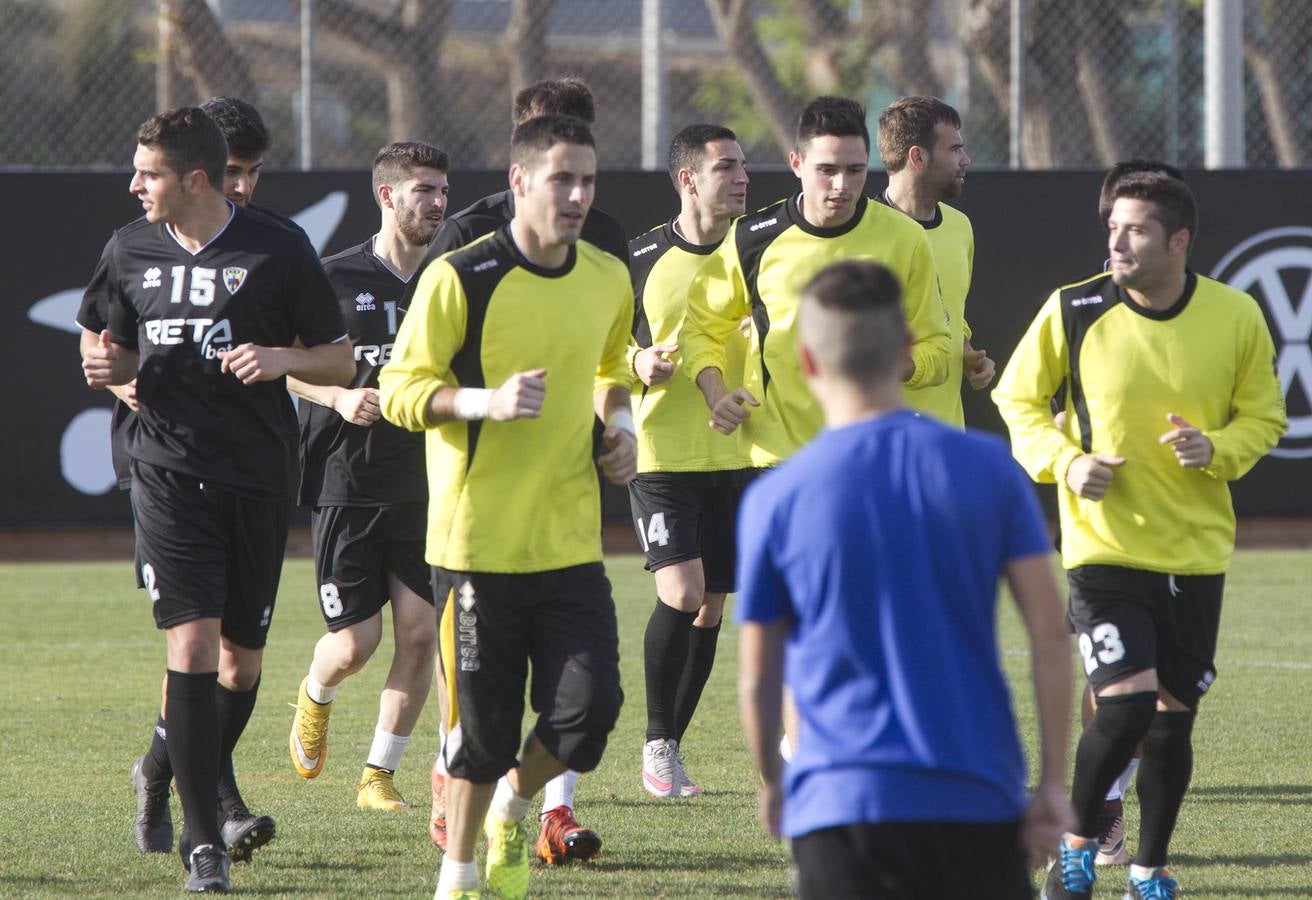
<point x="1125" y="716"/>
<point x="1170" y="735"/>
<point x="711" y="612"/>
<point x="418" y="647"/>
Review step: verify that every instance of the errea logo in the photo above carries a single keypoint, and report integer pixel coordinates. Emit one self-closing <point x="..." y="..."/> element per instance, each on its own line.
<point x="364" y="302"/>
<point x="647" y="249"/>
<point x="484" y="266"/>
<point x="1086" y="301"/>
<point x="151" y="278"/>
<point x="1275" y="267"/>
<point x="766" y="224"/>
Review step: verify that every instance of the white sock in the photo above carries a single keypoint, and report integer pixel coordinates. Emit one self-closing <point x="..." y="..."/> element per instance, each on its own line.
<point x="457" y="876"/>
<point x="785" y="750"/>
<point x="440" y="762"/>
<point x="560" y="791"/>
<point x="506" y="804"/>
<point x="1142" y="872"/>
<point x="317" y="692"/>
<point x="1122" y="783"/>
<point x="386" y="750"/>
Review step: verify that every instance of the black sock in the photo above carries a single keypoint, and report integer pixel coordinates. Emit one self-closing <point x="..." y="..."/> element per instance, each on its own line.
<point x="194" y="750"/>
<point x="1105" y="749"/>
<point x="1164" y="773"/>
<point x="665" y="650"/>
<point x="701" y="659"/>
<point x="156" y="766"/>
<point x="234" y="708"/>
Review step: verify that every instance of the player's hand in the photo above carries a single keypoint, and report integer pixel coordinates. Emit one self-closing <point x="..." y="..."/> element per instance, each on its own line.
<point x="769" y="802"/>
<point x="745" y="326"/>
<point x="359" y="406"/>
<point x="102" y="363"/>
<point x="652" y="365"/>
<point x="1059" y="420"/>
<point x="1192" y="448"/>
<point x="1090" y="475"/>
<point x="126" y="393"/>
<point x="620" y="461"/>
<point x="731" y="410"/>
<point x="1048" y="816"/>
<point x="979" y="368"/>
<point x="252" y="363"/>
<point x="520" y="397"/>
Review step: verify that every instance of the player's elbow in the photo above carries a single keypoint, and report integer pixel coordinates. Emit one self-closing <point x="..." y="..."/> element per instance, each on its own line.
<point x="342" y="363"/>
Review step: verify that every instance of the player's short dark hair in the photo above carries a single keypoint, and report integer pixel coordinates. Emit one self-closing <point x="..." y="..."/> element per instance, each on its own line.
<point x="688" y="147"/>
<point x="189" y="140"/>
<point x="397" y="162"/>
<point x="568" y="96"/>
<point x="1173" y="203"/>
<point x="852" y="321"/>
<point x="242" y="126"/>
<point x="909" y="122"/>
<point x="835" y="116"/>
<point x="1129" y="167"/>
<point x="537" y="136"/>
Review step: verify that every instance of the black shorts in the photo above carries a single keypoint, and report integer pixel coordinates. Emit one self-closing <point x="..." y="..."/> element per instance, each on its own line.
<point x="357" y="547"/>
<point x="689" y="515"/>
<point x="492" y="626"/>
<point x="913" y="861"/>
<point x="1131" y="620"/>
<point x="204" y="552"/>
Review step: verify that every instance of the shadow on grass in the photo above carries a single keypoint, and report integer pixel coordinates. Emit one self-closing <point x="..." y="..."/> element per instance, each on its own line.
<point x="1280" y="794"/>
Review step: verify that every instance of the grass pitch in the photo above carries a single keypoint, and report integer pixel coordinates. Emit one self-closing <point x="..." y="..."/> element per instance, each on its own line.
<point x="80" y="663"/>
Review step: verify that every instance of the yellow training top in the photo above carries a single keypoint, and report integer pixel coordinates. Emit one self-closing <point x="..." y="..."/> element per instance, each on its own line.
<point x="674" y="434"/>
<point x="760" y="270"/>
<point x="518" y="496"/>
<point x="1209" y="358"/>
<point x="953" y="242"/>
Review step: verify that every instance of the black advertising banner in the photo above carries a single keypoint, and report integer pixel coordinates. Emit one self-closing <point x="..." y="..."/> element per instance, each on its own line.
<point x="1034" y="231"/>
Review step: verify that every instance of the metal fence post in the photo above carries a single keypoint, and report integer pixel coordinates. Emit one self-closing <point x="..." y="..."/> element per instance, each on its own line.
<point x="654" y="99"/>
<point x="307" y="85"/>
<point x="1017" y="93"/>
<point x="1223" y="82"/>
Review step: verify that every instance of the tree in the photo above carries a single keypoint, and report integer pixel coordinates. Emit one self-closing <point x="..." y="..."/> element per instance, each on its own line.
<point x="1275" y="48"/>
<point x="195" y="40"/>
<point x="403" y="50"/>
<point x="526" y="39"/>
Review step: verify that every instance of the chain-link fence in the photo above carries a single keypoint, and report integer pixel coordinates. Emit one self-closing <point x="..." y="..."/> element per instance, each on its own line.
<point x="1103" y="79"/>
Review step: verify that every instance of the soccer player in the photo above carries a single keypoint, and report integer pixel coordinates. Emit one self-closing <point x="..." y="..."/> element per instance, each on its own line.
<point x="205" y="303"/>
<point x="921" y="147"/>
<point x="248" y="140"/>
<point x="1172" y="393"/>
<point x="364" y="479"/>
<point x="685" y="495"/>
<point x="511" y="343"/>
<point x="765" y="259"/>
<point x="1112" y="850"/>
<point x="561" y="839"/>
<point x="868" y="573"/>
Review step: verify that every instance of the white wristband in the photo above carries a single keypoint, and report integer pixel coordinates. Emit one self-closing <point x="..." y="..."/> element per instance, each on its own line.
<point x="623" y="420"/>
<point x="471" y="403"/>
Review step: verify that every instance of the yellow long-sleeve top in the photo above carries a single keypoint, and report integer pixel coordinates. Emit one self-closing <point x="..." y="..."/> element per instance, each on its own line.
<point x="672" y="419"/>
<point x="952" y="241"/>
<point x="518" y="496"/>
<point x="760" y="270"/>
<point x="1209" y="358"/>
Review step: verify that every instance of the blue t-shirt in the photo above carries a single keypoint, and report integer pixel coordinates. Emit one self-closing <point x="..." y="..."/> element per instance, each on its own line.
<point x="884" y="541"/>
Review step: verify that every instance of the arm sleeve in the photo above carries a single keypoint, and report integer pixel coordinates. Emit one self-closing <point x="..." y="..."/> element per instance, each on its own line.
<point x="1025" y="532"/>
<point x="926" y="317"/>
<point x="1257" y="409"/>
<point x="93" y="314"/>
<point x="1037" y="369"/>
<point x="717" y="302"/>
<point x="431" y="333"/>
<point x="317" y="318"/>
<point x="762" y="591"/>
<point x="614" y="368"/>
<point x="122" y="319"/>
<point x="966" y="330"/>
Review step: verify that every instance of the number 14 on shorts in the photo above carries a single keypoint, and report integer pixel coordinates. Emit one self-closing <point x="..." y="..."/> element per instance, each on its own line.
<point x="653" y="532"/>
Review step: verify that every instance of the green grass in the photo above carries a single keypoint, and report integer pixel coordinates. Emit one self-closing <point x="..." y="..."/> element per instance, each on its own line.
<point x="80" y="663"/>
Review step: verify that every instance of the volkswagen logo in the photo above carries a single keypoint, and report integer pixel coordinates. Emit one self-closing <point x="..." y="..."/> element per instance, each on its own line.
<point x="1275" y="267"/>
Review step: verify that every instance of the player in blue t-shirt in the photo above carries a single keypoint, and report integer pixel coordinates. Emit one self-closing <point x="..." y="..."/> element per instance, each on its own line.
<point x="868" y="573"/>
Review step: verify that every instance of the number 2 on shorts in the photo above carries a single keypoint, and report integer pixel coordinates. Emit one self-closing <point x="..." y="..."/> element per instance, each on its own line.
<point x="1110" y="649"/>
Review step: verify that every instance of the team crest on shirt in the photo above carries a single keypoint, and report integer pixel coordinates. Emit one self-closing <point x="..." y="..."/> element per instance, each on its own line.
<point x="233" y="278"/>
